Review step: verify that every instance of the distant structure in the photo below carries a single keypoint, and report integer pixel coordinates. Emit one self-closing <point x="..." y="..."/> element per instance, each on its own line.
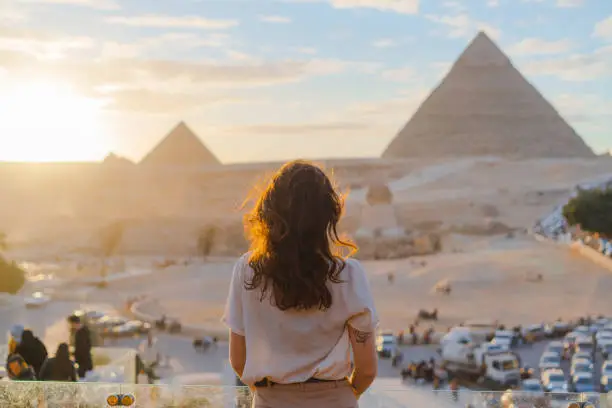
<point x="180" y="147"/>
<point x="485" y="107"/>
<point x="115" y="160"/>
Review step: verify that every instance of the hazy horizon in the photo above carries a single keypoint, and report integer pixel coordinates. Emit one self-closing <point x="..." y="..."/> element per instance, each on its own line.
<point x="280" y="79"/>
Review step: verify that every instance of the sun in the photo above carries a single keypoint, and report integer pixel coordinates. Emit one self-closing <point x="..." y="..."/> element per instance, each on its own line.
<point x="44" y="121"/>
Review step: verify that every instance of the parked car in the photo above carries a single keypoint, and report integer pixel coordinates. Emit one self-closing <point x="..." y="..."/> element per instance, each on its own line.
<point x="507" y="338"/>
<point x="38" y="299"/>
<point x="584" y="344"/>
<point x="532" y="385"/>
<point x="106" y="324"/>
<point x="582" y="355"/>
<point x="549" y="360"/>
<point x="130" y="328"/>
<point x="386" y="345"/>
<point x="554" y="380"/>
<point x="606" y="377"/>
<point x="557" y="329"/>
<point x="583" y="330"/>
<point x="581" y="366"/>
<point x="555" y="347"/>
<point x="569" y="340"/>
<point x="535" y="332"/>
<point x="605" y="347"/>
<point x="603" y="334"/>
<point x="583" y="382"/>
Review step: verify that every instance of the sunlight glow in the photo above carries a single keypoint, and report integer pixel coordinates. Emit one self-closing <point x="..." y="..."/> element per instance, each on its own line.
<point x="41" y="122"/>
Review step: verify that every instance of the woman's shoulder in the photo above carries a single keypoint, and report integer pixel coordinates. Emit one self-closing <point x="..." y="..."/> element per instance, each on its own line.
<point x="353" y="271"/>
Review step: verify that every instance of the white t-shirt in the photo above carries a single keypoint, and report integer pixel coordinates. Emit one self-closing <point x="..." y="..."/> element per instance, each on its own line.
<point x="292" y="346"/>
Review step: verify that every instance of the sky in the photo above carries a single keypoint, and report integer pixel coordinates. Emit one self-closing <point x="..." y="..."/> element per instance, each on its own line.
<point x="262" y="80"/>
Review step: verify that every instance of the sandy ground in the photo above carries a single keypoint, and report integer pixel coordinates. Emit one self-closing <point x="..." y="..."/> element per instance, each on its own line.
<point x="488" y="276"/>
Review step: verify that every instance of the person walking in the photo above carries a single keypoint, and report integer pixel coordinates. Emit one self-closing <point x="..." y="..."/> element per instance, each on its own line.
<point x="32" y="350"/>
<point x="296" y="307"/>
<point x="82" y="346"/>
<point x="60" y="367"/>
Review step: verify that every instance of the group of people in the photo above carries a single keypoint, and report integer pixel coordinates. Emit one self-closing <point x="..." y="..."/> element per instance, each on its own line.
<point x="28" y="359"/>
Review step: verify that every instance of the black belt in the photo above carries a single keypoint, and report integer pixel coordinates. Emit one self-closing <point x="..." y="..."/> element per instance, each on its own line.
<point x="267" y="383"/>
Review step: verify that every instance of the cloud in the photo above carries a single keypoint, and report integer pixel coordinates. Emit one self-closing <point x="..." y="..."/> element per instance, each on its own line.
<point x="141" y="100"/>
<point x="493" y="3"/>
<point x="583" y="107"/>
<point x="385" y="43"/>
<point x="164" y="21"/>
<point x="454" y="5"/>
<point x="576" y="67"/>
<point x="403" y="74"/>
<point x="41" y="46"/>
<point x="397" y="6"/>
<point x="275" y="19"/>
<point x="395" y="110"/>
<point x="603" y="29"/>
<point x="538" y="46"/>
<point x="11" y="13"/>
<point x="306" y="50"/>
<point x="174" y="41"/>
<point x="569" y="3"/>
<point x="462" y="26"/>
<point x="134" y="83"/>
<point x="94" y="4"/>
<point x="296" y="128"/>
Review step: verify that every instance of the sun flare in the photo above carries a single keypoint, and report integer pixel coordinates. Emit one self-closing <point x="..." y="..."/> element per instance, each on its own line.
<point x="41" y="122"/>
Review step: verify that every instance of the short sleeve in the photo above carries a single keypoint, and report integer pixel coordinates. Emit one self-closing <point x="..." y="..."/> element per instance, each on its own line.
<point x="363" y="316"/>
<point x="233" y="317"/>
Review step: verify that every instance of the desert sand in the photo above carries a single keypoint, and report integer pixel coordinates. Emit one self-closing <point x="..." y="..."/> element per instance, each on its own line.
<point x="489" y="276"/>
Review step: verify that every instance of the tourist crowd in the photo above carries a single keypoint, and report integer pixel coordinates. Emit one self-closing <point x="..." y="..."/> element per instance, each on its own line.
<point x="28" y="359"/>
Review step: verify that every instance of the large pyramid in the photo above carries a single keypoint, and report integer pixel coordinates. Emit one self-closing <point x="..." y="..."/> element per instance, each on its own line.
<point x="180" y="147"/>
<point x="485" y="107"/>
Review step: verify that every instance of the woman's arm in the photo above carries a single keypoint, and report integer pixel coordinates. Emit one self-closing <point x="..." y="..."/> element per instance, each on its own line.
<point x="364" y="358"/>
<point x="237" y="352"/>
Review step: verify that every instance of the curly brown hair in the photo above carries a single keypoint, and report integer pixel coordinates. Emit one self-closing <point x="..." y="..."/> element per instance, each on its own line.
<point x="295" y="246"/>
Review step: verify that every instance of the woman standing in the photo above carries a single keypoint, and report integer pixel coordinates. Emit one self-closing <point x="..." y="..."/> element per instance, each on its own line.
<point x="60" y="367"/>
<point x="296" y="307"/>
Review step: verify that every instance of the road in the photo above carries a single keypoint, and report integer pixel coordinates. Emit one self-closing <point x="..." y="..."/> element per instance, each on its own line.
<point x="48" y="322"/>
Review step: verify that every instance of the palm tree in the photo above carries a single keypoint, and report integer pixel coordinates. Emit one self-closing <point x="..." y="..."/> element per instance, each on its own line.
<point x="110" y="239"/>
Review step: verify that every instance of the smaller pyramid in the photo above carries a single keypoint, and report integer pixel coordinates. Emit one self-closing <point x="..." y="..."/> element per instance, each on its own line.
<point x="180" y="147"/>
<point x="114" y="159"/>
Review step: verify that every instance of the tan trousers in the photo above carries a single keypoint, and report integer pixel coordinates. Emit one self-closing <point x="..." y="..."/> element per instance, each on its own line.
<point x="329" y="394"/>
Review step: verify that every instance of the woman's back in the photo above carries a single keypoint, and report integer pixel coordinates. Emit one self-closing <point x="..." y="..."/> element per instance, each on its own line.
<point x="52" y="370"/>
<point x="291" y="346"/>
<point x="296" y="308"/>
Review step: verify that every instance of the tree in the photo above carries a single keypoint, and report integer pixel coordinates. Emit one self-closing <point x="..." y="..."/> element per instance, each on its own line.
<point x="591" y="210"/>
<point x="12" y="277"/>
<point x="3" y="242"/>
<point x="110" y="239"/>
<point x="206" y="240"/>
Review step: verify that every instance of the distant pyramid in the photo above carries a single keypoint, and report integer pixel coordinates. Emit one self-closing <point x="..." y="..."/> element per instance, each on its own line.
<point x="180" y="147"/>
<point x="113" y="159"/>
<point x="484" y="106"/>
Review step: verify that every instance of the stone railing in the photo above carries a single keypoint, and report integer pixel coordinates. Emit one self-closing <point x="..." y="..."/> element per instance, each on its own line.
<point x="94" y="395"/>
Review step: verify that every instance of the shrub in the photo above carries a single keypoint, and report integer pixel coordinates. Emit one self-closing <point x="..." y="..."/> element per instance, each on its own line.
<point x="206" y="240"/>
<point x="591" y="210"/>
<point x="12" y="277"/>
